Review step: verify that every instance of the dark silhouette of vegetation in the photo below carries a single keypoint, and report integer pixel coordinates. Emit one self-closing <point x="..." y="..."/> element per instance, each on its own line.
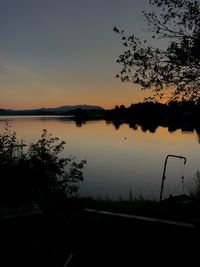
<point x="82" y="114"/>
<point x="149" y="115"/>
<point x="194" y="186"/>
<point x="174" y="62"/>
<point x="37" y="171"/>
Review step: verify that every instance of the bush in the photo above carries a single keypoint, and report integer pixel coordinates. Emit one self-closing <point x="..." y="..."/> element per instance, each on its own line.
<point x="194" y="188"/>
<point x="39" y="172"/>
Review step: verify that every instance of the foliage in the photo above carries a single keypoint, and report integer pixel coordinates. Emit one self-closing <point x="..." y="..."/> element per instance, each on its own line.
<point x="194" y="186"/>
<point x="8" y="146"/>
<point x="38" y="172"/>
<point x="176" y="23"/>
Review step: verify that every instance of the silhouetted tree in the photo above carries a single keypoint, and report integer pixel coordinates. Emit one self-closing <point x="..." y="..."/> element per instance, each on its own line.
<point x="177" y="67"/>
<point x="37" y="172"/>
<point x="150" y="115"/>
<point x="55" y="175"/>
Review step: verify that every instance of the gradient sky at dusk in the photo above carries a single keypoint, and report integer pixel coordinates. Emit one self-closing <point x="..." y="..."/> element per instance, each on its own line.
<point x="63" y="52"/>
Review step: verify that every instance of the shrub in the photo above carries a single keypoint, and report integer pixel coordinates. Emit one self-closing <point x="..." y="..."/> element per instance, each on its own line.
<point x="194" y="187"/>
<point x="38" y="172"/>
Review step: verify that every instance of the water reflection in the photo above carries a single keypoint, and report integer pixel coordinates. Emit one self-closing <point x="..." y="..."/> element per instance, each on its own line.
<point x="144" y="125"/>
<point x="80" y="123"/>
<point x="122" y="155"/>
<point x="152" y="127"/>
<point x="198" y="135"/>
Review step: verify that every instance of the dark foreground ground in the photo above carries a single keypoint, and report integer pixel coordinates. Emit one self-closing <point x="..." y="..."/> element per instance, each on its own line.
<point x="79" y="238"/>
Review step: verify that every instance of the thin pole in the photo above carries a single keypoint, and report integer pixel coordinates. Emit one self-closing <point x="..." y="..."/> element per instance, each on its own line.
<point x="68" y="260"/>
<point x="164" y="170"/>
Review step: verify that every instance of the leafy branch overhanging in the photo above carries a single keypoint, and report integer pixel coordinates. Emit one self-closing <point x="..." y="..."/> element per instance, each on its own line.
<point x="176" y="67"/>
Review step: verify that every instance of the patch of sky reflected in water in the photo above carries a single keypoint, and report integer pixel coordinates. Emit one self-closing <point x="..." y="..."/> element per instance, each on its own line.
<point x="118" y="160"/>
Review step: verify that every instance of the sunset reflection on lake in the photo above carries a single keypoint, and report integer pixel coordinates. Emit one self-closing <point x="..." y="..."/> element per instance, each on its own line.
<point x="118" y="160"/>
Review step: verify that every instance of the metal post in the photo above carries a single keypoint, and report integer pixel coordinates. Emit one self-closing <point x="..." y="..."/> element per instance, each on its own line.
<point x="164" y="170"/>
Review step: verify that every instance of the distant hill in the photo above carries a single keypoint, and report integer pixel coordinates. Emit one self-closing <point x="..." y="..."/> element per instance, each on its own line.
<point x="63" y="110"/>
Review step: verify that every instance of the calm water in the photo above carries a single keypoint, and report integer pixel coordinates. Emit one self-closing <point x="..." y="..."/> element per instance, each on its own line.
<point x="119" y="160"/>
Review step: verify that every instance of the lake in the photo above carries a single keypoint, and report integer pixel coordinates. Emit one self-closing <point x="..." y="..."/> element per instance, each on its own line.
<point x="119" y="160"/>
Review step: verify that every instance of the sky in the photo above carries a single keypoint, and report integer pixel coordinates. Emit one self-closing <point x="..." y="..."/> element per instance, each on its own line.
<point x="64" y="52"/>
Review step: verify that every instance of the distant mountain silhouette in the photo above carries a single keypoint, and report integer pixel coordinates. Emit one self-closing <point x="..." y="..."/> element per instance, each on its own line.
<point x="70" y="108"/>
<point x="63" y="110"/>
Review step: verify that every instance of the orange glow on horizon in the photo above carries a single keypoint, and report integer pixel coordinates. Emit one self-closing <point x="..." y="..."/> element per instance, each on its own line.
<point x="106" y="101"/>
<point x="34" y="95"/>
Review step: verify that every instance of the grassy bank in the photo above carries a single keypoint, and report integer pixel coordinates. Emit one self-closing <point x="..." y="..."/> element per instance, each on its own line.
<point x="180" y="211"/>
<point x="64" y="229"/>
